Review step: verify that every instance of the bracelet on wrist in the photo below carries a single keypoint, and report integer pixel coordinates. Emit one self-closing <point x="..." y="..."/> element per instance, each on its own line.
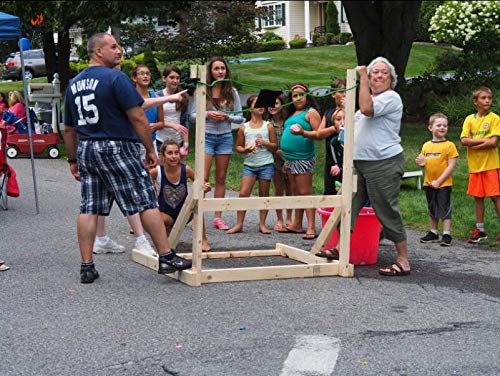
<point x="70" y="161"/>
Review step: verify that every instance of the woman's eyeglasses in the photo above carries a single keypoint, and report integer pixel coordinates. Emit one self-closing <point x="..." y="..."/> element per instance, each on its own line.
<point x="143" y="74"/>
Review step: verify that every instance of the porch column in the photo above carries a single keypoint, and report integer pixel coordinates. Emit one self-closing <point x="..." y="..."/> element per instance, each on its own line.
<point x="307" y="25"/>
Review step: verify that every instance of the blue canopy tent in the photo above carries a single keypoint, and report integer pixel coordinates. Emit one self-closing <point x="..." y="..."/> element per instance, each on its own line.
<point x="10" y="28"/>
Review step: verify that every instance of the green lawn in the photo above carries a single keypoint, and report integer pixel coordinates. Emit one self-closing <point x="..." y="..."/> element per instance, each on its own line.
<point x="315" y="66"/>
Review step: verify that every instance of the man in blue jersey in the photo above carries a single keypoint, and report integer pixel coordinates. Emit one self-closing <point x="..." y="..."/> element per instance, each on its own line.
<point x="104" y="124"/>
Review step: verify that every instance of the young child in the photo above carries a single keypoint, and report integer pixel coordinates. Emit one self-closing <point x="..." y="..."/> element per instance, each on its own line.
<point x="280" y="179"/>
<point x="480" y="134"/>
<point x="438" y="158"/>
<point x="256" y="140"/>
<point x="171" y="183"/>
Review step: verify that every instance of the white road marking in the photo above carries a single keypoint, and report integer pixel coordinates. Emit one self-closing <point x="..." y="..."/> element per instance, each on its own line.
<point x="312" y="355"/>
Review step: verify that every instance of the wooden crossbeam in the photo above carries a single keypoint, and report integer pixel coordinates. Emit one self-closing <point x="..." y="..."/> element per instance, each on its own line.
<point x="260" y="203"/>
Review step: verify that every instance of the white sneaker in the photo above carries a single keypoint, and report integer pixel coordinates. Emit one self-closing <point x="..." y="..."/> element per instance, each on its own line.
<point x="144" y="247"/>
<point x="110" y="246"/>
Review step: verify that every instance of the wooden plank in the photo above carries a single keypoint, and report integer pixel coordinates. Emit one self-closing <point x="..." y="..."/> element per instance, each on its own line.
<point x="300" y="255"/>
<point x="347" y="177"/>
<point x="182" y="220"/>
<point x="235" y="254"/>
<point x="270" y="272"/>
<point x="149" y="261"/>
<point x="186" y="276"/>
<point x="327" y="230"/>
<point x="260" y="203"/>
<point x="199" y="173"/>
<point x="146" y="259"/>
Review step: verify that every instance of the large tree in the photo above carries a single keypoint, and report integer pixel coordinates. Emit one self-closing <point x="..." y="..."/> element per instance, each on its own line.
<point x="383" y="28"/>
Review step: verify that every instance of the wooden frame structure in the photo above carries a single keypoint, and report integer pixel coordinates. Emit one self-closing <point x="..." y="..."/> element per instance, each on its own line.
<point x="311" y="265"/>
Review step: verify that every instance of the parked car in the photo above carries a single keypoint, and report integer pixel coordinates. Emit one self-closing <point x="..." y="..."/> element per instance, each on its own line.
<point x="34" y="65"/>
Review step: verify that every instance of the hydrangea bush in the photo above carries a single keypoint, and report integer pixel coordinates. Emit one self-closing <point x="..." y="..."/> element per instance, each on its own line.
<point x="467" y="24"/>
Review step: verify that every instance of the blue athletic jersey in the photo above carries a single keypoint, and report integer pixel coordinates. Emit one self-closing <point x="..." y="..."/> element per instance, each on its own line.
<point x="96" y="103"/>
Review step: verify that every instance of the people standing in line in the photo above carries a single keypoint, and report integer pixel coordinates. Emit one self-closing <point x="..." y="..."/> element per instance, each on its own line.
<point x="104" y="122"/>
<point x="438" y="158"/>
<point x="171" y="184"/>
<point x="300" y="154"/>
<point x="175" y="114"/>
<point x="221" y="97"/>
<point x="257" y="142"/>
<point x="280" y="179"/>
<point x="480" y="135"/>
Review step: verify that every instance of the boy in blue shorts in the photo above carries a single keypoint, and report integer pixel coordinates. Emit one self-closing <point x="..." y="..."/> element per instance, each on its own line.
<point x="438" y="158"/>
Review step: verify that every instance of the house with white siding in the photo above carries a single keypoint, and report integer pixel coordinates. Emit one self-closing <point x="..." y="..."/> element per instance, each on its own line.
<point x="298" y="19"/>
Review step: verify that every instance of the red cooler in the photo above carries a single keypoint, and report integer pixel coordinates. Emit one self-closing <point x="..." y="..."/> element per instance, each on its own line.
<point x="364" y="238"/>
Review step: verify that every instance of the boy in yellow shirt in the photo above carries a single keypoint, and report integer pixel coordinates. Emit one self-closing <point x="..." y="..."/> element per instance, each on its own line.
<point x="438" y="158"/>
<point x="480" y="134"/>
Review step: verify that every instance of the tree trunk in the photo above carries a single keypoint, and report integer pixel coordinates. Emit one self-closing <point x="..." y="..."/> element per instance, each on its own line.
<point x="383" y="28"/>
<point x="49" y="50"/>
<point x="63" y="52"/>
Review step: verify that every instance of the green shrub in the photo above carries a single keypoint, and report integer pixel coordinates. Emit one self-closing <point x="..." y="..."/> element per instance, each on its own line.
<point x="269" y="36"/>
<point x="272" y="45"/>
<point x="138" y="59"/>
<point x="73" y="70"/>
<point x="343" y="38"/>
<point x="321" y="40"/>
<point x="151" y="63"/>
<point x="329" y="38"/>
<point x="332" y="18"/>
<point x="427" y="10"/>
<point x="449" y="60"/>
<point x="427" y="94"/>
<point x="298" y="43"/>
<point x="315" y="38"/>
<point x="128" y="66"/>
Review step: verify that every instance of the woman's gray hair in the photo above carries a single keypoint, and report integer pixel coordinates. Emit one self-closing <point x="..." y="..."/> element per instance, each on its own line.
<point x="392" y="70"/>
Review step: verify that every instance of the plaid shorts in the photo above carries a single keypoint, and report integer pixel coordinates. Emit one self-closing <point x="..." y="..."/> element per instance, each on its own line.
<point x="112" y="171"/>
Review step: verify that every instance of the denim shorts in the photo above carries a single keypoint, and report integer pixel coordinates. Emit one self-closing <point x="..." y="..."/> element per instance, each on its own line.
<point x="112" y="171"/>
<point x="218" y="143"/>
<point x="265" y="172"/>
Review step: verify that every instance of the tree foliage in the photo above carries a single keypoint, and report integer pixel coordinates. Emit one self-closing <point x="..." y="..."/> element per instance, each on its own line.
<point x="332" y="18"/>
<point x="209" y="28"/>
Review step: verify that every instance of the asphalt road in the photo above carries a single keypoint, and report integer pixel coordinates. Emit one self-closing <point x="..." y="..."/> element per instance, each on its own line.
<point x="442" y="319"/>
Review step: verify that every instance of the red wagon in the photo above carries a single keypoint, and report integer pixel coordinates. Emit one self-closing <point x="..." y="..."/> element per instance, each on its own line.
<point x="19" y="143"/>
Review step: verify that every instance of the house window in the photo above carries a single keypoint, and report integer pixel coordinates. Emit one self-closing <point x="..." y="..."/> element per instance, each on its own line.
<point x="274" y="16"/>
